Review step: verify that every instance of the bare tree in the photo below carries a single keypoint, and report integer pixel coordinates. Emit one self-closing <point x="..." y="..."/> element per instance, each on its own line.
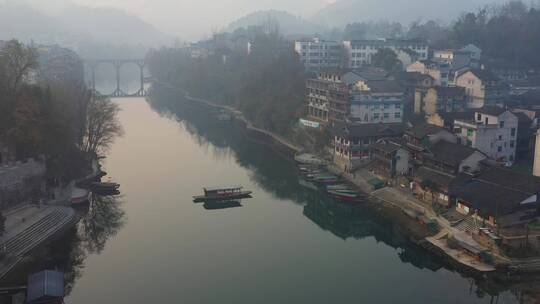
<point x="17" y="62"/>
<point x="102" y="125"/>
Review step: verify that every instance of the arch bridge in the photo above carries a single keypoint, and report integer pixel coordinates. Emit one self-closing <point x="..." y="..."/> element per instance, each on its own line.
<point x="117" y="64"/>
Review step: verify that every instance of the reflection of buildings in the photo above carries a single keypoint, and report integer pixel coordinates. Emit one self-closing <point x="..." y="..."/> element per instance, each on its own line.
<point x="355" y="221"/>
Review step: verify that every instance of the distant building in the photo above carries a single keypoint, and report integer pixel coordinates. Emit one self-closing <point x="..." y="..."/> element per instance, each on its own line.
<point x="318" y="54"/>
<point x="438" y="70"/>
<point x="352" y="142"/>
<point x="440" y="100"/>
<point x="457" y="59"/>
<point x="328" y="94"/>
<point x="377" y="101"/>
<point x="482" y="88"/>
<point x="493" y="131"/>
<point x="360" y="52"/>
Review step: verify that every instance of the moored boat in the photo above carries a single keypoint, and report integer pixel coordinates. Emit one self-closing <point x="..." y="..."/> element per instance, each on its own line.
<point x="338" y="187"/>
<point x="344" y="196"/>
<point x="104" y="186"/>
<point x="222" y="194"/>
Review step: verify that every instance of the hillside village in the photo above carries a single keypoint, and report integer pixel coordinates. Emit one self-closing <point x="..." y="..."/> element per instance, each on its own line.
<point x="450" y="129"/>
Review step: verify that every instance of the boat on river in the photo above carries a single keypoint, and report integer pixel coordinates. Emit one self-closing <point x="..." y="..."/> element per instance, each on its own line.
<point x="345" y="196"/>
<point x="222" y="194"/>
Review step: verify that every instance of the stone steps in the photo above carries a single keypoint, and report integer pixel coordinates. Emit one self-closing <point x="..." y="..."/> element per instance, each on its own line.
<point x="37" y="232"/>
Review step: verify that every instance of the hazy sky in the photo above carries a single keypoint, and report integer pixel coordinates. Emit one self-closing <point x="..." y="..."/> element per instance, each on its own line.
<point x="178" y="17"/>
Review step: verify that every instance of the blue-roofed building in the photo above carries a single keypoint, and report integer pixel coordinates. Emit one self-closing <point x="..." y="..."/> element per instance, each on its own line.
<point x="46" y="287"/>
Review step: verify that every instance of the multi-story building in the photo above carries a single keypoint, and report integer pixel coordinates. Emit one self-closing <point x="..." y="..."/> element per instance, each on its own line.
<point x="352" y="142"/>
<point x="328" y="94"/>
<point x="482" y="88"/>
<point x="360" y="52"/>
<point x="493" y="131"/>
<point x="317" y="54"/>
<point x="440" y="100"/>
<point x="438" y="70"/>
<point x="377" y="101"/>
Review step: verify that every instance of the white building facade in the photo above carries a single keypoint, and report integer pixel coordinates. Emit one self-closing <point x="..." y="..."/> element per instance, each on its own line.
<point x="360" y="52"/>
<point x="317" y="54"/>
<point x="493" y="132"/>
<point x="376" y="101"/>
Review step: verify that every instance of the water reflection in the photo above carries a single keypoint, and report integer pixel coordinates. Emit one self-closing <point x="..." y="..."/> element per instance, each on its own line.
<point x="100" y="220"/>
<point x="278" y="176"/>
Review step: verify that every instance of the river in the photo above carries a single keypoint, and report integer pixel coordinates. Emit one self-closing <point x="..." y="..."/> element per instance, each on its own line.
<point x="286" y="245"/>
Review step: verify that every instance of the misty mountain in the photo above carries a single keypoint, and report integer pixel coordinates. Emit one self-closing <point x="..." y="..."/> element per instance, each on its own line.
<point x="288" y="23"/>
<point x="83" y="29"/>
<point x="405" y="11"/>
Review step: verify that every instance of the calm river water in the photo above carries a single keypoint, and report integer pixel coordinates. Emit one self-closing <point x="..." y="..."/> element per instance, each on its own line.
<point x="286" y="245"/>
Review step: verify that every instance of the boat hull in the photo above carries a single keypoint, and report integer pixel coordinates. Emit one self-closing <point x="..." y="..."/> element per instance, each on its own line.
<point x="237" y="196"/>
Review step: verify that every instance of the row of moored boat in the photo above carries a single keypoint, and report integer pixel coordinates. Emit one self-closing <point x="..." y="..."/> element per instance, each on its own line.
<point x="317" y="177"/>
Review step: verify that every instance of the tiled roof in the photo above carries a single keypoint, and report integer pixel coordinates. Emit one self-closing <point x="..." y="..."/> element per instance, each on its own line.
<point x="450" y="153"/>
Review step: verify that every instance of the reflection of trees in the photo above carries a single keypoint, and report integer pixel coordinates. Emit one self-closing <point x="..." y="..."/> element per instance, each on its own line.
<point x="68" y="253"/>
<point x="104" y="219"/>
<point x="275" y="175"/>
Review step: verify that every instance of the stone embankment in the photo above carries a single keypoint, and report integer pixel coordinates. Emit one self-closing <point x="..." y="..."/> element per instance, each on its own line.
<point x="28" y="227"/>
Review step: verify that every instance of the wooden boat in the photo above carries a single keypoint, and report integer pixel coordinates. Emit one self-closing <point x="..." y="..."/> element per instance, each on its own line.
<point x="338" y="187"/>
<point x="222" y="194"/>
<point x="104" y="187"/>
<point x="308" y="159"/>
<point x="79" y="196"/>
<point x="347" y="197"/>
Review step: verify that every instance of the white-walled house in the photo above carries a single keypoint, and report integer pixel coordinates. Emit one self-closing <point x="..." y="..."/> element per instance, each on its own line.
<point x="316" y="54"/>
<point x="360" y="52"/>
<point x="377" y="101"/>
<point x="493" y="131"/>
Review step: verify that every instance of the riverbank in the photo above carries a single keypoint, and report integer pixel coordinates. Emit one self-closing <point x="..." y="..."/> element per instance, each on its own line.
<point x="400" y="205"/>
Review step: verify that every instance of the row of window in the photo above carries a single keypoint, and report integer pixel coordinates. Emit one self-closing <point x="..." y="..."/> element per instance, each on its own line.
<point x="376" y="47"/>
<point x="386" y="115"/>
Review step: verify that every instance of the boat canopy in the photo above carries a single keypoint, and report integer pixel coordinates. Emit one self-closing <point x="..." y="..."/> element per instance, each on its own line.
<point x="216" y="189"/>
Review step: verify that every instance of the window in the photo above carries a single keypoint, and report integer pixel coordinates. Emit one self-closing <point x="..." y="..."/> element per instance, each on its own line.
<point x="386" y="106"/>
<point x="386" y="115"/>
<point x="397" y="106"/>
<point x="513" y="132"/>
<point x="397" y="115"/>
<point x="499" y="149"/>
<point x="500" y="137"/>
<point x="470" y="132"/>
<point x="511" y="157"/>
<point x="501" y="124"/>
<point x="512" y="144"/>
<point x="478" y="117"/>
<point x="376" y="115"/>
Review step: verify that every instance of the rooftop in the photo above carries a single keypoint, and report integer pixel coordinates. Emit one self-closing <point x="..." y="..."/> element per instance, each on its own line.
<point x="450" y="153"/>
<point x="484" y="75"/>
<point x="368" y="130"/>
<point x="511" y="180"/>
<point x="491" y="110"/>
<point x="384" y="86"/>
<point x="490" y="199"/>
<point x="422" y="130"/>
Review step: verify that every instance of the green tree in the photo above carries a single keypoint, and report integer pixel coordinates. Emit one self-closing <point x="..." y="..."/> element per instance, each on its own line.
<point x="387" y="59"/>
